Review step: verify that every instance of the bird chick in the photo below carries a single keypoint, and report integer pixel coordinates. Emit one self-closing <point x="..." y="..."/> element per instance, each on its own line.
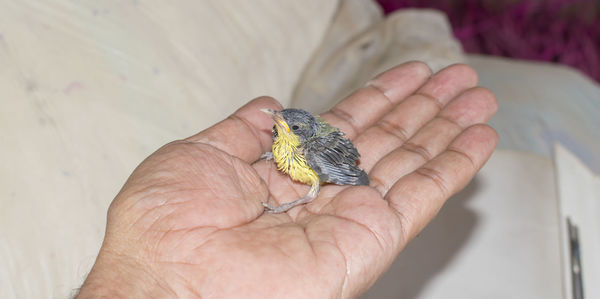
<point x="312" y="152"/>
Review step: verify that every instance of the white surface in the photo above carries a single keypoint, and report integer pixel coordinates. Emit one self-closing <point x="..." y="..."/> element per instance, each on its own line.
<point x="498" y="238"/>
<point x="540" y="104"/>
<point x="579" y="193"/>
<point x="89" y="88"/>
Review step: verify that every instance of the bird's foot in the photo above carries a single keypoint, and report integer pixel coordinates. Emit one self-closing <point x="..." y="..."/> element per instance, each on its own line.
<point x="287" y="206"/>
<point x="267" y="156"/>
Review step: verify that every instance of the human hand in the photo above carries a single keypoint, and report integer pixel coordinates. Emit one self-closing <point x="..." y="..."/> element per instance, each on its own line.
<point x="189" y="221"/>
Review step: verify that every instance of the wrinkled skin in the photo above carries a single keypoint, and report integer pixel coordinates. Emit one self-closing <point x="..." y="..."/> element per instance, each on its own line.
<point x="189" y="221"/>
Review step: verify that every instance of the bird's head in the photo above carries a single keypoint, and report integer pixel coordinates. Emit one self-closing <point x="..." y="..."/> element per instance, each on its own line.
<point x="293" y="122"/>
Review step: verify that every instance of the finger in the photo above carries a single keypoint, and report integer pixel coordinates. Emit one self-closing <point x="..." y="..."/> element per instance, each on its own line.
<point x="245" y="134"/>
<point x="418" y="196"/>
<point x="411" y="114"/>
<point x="474" y="106"/>
<point x="365" y="106"/>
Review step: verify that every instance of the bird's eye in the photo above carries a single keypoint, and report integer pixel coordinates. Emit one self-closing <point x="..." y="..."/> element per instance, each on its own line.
<point x="294" y="127"/>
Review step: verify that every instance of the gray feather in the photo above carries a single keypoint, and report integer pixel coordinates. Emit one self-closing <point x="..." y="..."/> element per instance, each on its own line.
<point x="333" y="158"/>
<point x="327" y="150"/>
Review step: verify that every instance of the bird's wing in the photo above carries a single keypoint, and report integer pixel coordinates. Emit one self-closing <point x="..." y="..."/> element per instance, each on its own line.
<point x="333" y="158"/>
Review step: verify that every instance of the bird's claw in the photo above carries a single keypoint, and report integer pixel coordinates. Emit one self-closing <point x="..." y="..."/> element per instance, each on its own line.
<point x="288" y="205"/>
<point x="267" y="156"/>
<point x="276" y="209"/>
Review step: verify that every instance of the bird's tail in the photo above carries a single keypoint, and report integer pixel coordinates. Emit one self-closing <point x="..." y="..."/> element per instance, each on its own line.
<point x="362" y="179"/>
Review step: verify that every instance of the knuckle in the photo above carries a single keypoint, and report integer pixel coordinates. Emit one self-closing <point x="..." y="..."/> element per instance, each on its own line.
<point x="393" y="129"/>
<point x="437" y="178"/>
<point x="418" y="149"/>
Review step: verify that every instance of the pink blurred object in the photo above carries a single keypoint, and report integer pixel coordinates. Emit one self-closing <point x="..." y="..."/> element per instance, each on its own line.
<point x="561" y="31"/>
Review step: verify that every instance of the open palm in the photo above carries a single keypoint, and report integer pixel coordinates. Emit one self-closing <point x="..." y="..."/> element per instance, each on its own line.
<point x="190" y="222"/>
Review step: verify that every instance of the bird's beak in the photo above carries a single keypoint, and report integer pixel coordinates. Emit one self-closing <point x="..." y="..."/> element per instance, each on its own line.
<point x="278" y="118"/>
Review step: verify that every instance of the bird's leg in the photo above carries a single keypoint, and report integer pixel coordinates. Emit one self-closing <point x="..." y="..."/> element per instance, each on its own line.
<point x="310" y="196"/>
<point x="267" y="156"/>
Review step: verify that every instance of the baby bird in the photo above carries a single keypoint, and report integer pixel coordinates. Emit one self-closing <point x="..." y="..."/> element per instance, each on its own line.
<point x="312" y="152"/>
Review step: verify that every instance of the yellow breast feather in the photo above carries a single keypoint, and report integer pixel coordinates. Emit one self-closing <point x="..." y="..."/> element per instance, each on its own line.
<point x="289" y="159"/>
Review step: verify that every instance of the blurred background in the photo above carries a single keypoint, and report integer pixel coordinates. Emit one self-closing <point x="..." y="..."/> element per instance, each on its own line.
<point x="561" y="31"/>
